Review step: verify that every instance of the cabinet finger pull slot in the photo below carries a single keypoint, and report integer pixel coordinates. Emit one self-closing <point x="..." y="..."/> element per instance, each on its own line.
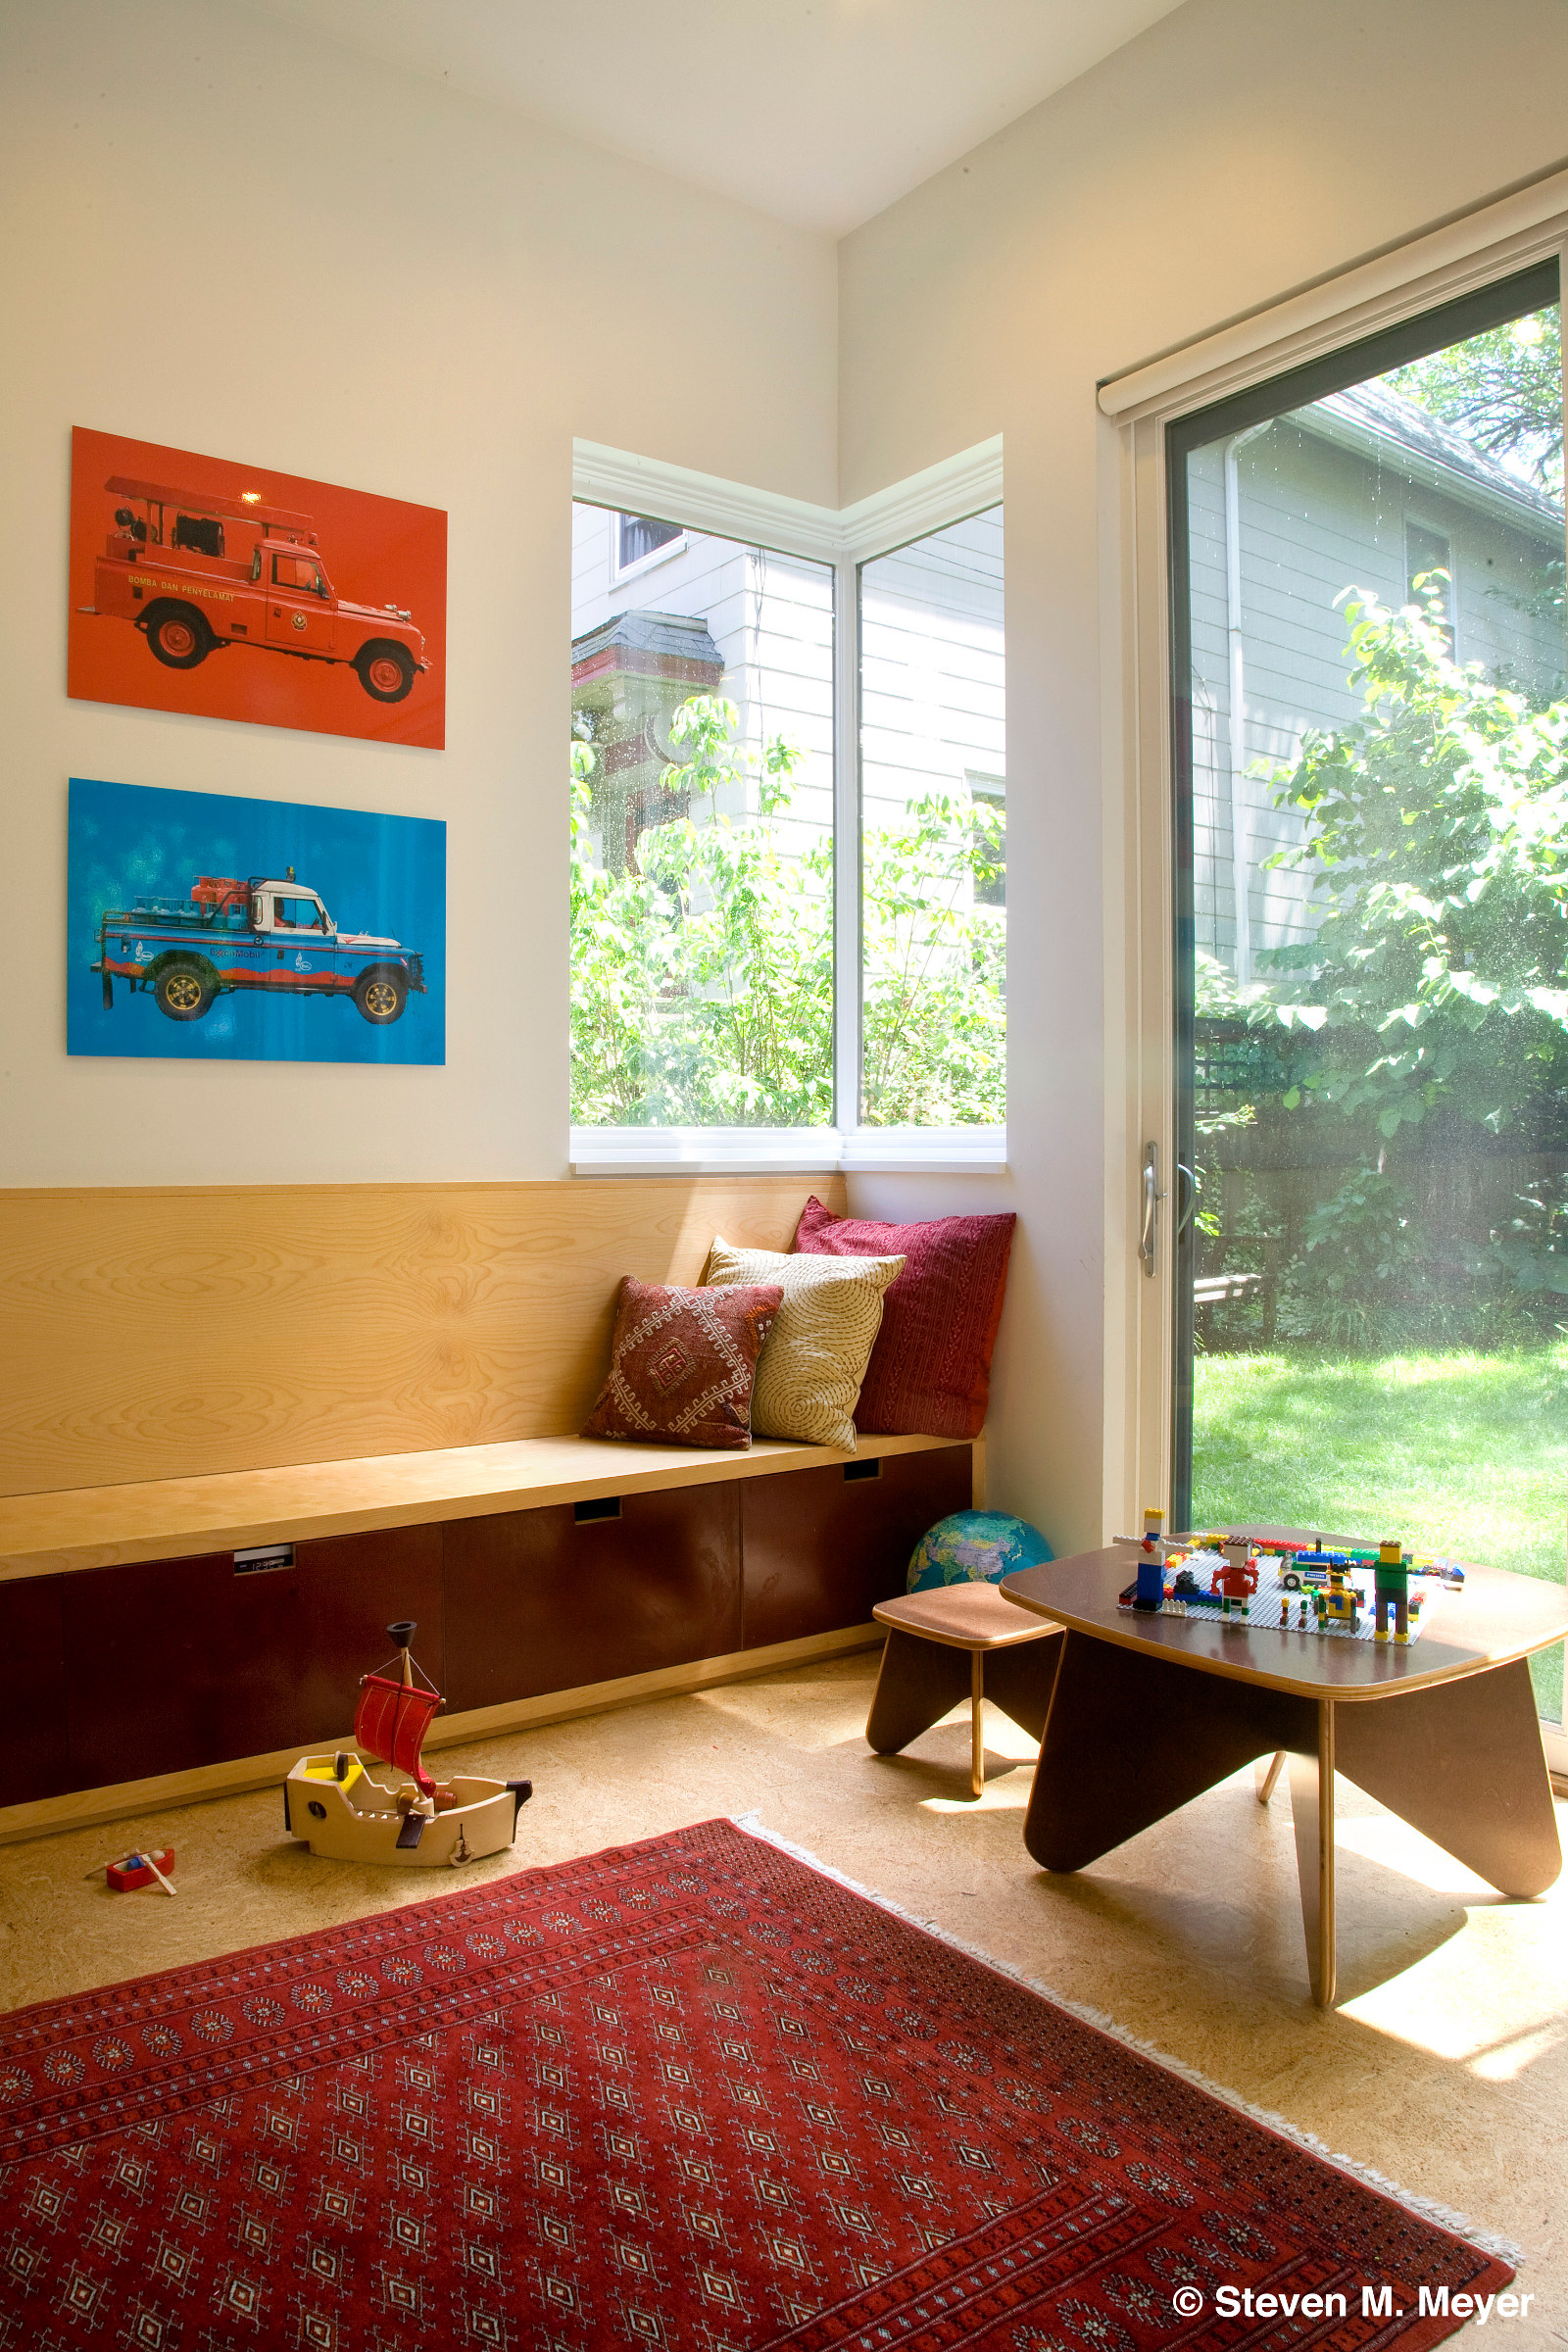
<point x="262" y="1557"/>
<point x="597" y="1507"/>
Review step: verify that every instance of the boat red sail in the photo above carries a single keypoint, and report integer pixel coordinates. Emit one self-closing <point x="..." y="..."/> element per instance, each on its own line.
<point x="391" y="1721"/>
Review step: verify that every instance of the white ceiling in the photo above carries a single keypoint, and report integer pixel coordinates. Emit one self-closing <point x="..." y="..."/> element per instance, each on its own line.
<point x="820" y="111"/>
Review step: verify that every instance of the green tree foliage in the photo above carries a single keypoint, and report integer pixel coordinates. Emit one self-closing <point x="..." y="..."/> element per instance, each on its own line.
<point x="934" y="1010"/>
<point x="1431" y="1001"/>
<point x="1502" y="390"/>
<point x="702" y="976"/>
<point x="1437" y="843"/>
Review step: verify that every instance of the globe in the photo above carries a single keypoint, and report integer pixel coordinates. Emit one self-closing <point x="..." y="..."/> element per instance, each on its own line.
<point x="975" y="1547"/>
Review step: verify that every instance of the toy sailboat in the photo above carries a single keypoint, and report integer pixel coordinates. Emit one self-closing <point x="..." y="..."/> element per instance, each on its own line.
<point x="336" y="1805"/>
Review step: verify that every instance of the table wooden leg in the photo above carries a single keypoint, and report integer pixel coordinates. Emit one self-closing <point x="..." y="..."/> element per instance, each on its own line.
<point x="1131" y="1737"/>
<point x="1265" y="1776"/>
<point x="917" y="1684"/>
<point x="1312" y="1812"/>
<point x="1463" y="1763"/>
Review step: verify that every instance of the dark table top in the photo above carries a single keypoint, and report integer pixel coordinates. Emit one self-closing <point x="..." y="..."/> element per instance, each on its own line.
<point x="1496" y="1617"/>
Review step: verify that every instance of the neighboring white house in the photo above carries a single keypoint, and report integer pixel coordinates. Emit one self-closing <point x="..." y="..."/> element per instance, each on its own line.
<point x="1362" y="489"/>
<point x="654" y="609"/>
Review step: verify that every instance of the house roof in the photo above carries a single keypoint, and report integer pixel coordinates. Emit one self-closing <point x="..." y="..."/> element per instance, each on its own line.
<point x="1376" y="421"/>
<point x="660" y="645"/>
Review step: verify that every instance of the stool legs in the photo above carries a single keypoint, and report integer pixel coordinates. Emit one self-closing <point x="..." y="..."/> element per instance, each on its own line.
<point x="919" y="1681"/>
<point x="977" y="1721"/>
<point x="917" y="1684"/>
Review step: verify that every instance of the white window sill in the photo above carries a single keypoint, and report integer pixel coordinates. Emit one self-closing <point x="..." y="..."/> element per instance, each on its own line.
<point x="786" y="1151"/>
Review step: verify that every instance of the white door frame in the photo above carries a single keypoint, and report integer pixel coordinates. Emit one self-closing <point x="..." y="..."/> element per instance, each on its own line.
<point x="1498" y="240"/>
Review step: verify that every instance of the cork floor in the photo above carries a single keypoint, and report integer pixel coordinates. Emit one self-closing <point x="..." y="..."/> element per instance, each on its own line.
<point x="1445" y="2066"/>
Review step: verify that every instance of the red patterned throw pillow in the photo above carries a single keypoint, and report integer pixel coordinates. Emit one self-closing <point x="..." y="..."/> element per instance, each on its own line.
<point x="930" y="1370"/>
<point x="682" y="1363"/>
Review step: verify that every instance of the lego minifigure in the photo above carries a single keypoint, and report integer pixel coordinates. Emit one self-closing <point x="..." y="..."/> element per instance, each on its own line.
<point x="1338" y="1605"/>
<point x="1391" y="1582"/>
<point x="1237" y="1580"/>
<point x="1148" y="1592"/>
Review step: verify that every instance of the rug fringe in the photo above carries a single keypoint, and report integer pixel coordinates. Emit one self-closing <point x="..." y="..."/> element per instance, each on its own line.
<point x="1486" y="2241"/>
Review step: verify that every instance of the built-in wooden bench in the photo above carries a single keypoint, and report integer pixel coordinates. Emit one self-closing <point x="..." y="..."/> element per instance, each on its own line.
<point x="177" y="1635"/>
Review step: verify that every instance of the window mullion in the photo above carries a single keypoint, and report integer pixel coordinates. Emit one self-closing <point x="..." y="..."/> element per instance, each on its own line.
<point x="846" y="846"/>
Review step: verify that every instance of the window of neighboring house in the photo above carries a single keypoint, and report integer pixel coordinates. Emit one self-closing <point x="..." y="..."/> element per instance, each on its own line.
<point x="1426" y="551"/>
<point x="933" y="686"/>
<point x="702" y="833"/>
<point x="637" y="537"/>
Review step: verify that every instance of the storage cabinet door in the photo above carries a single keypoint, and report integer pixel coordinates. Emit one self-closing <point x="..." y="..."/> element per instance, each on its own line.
<point x="821" y="1548"/>
<point x="299" y="1638"/>
<point x="539" y="1600"/>
<point x="32" y="1730"/>
<point x="176" y="1663"/>
<point x="145" y="1654"/>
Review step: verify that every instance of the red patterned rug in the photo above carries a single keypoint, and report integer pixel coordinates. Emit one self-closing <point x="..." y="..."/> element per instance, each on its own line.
<point x="690" y="2093"/>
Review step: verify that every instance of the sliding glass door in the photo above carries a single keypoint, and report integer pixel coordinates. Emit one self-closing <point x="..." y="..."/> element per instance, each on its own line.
<point x="1372" y="957"/>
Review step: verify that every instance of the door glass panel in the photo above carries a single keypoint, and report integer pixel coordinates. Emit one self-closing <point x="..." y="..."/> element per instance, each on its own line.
<point x="1373" y="986"/>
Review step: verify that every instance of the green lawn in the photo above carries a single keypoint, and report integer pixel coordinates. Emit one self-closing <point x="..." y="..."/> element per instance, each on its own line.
<point x="1456" y="1452"/>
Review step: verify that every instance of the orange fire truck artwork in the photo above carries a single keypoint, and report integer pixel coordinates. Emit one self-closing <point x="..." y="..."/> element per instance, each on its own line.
<point x="198" y="573"/>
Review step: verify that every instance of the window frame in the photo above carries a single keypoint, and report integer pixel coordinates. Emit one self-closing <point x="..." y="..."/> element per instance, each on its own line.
<point x="1493" y="243"/>
<point x="845" y="538"/>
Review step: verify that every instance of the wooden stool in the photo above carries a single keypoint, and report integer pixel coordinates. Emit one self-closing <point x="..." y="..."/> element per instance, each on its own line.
<point x="923" y="1670"/>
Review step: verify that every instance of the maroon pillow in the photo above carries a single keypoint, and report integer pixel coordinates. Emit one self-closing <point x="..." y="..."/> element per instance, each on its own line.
<point x="930" y="1370"/>
<point x="682" y="1363"/>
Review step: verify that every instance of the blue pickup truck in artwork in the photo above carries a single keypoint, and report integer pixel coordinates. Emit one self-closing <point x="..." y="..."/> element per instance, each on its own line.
<point x="275" y="937"/>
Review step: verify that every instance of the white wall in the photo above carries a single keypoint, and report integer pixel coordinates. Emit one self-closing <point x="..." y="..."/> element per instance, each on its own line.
<point x="226" y="236"/>
<point x="1231" y="154"/>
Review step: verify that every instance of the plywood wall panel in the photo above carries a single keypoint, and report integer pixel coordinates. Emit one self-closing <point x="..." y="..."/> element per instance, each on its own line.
<point x="173" y="1333"/>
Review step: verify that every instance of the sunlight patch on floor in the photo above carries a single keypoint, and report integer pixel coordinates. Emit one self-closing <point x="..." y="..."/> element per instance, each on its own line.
<point x="777" y="1709"/>
<point x="1382" y="1839"/>
<point x="1006" y="1792"/>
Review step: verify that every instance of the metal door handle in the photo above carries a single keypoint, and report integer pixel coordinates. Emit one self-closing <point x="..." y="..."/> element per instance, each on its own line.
<point x="1148" y="1239"/>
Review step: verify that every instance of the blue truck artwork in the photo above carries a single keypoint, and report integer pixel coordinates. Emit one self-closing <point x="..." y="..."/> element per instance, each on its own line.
<point x="265" y="934"/>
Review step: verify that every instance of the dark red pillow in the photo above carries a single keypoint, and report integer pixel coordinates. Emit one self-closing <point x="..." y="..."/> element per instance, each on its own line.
<point x="930" y="1370"/>
<point x="682" y="1363"/>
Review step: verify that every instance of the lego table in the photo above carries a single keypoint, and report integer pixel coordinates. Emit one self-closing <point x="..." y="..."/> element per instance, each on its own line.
<point x="1148" y="1712"/>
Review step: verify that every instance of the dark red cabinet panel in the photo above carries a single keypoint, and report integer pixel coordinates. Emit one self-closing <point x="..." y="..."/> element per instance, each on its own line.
<point x="144" y="1668"/>
<point x="538" y="1602"/>
<point x="164" y="1665"/>
<point x="300" y="1638"/>
<point x="820" y="1551"/>
<point x="33" y="1726"/>
<point x="176" y="1663"/>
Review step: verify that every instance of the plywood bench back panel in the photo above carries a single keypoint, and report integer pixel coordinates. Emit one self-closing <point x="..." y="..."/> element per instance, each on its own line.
<point x="168" y="1333"/>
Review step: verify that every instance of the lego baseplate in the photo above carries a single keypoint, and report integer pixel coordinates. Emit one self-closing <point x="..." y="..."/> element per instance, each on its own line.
<point x="1299" y="1605"/>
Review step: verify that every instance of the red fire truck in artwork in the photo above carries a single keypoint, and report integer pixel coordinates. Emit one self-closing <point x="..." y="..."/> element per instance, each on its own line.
<point x="196" y="573"/>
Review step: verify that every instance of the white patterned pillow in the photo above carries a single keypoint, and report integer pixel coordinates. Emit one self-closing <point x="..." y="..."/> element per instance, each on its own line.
<point x="809" y="1372"/>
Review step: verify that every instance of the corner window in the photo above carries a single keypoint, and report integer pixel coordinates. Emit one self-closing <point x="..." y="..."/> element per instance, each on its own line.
<point x="789" y="790"/>
<point x="932" y="750"/>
